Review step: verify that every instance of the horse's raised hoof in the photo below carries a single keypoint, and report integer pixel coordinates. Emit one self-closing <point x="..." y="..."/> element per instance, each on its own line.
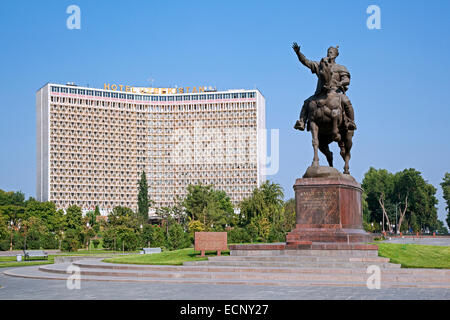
<point x="337" y="137"/>
<point x="315" y="163"/>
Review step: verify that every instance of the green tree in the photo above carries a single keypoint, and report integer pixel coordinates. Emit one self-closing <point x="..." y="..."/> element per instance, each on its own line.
<point x="33" y="231"/>
<point x="46" y="211"/>
<point x="92" y="219"/>
<point x="265" y="216"/>
<point x="11" y="198"/>
<point x="123" y="216"/>
<point x="177" y="239"/>
<point x="74" y="218"/>
<point x="378" y="186"/>
<point x="153" y="236"/>
<point x="404" y="196"/>
<point x="440" y="228"/>
<point x="143" y="201"/>
<point x="5" y="234"/>
<point x="71" y="240"/>
<point x="445" y="184"/>
<point x="211" y="207"/>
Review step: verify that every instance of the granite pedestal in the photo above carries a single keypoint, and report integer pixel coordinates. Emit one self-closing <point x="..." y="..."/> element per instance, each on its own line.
<point x="328" y="211"/>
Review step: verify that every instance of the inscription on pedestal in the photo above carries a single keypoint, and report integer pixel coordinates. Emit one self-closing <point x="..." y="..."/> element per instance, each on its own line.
<point x="317" y="205"/>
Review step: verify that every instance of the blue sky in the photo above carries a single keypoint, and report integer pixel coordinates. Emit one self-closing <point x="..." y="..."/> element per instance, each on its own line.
<point x="400" y="74"/>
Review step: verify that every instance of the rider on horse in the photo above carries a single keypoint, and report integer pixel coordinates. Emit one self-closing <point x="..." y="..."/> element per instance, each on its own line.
<point x="339" y="76"/>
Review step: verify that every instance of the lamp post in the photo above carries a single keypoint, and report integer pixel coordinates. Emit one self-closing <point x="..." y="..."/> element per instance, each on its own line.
<point x="396" y="221"/>
<point x="87" y="235"/>
<point x="10" y="244"/>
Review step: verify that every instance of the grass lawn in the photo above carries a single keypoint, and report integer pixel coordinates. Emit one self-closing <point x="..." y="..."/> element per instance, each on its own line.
<point x="6" y="262"/>
<point x="416" y="256"/>
<point x="176" y="257"/>
<point x="408" y="255"/>
<point x="11" y="261"/>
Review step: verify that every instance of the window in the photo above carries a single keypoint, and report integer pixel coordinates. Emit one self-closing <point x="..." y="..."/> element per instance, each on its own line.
<point x="55" y="89"/>
<point x="130" y="96"/>
<point x="211" y="96"/>
<point x="90" y="93"/>
<point x="179" y="98"/>
<point x="194" y="97"/>
<point x="81" y="91"/>
<point x="73" y="91"/>
<point x="243" y="95"/>
<point x="154" y="98"/>
<point x="171" y="98"/>
<point x="162" y="98"/>
<point x="219" y="96"/>
<point x="186" y="98"/>
<point x="203" y="97"/>
<point x="98" y="93"/>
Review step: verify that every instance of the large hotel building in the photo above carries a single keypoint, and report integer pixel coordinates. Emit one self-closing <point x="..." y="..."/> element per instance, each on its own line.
<point x="93" y="144"/>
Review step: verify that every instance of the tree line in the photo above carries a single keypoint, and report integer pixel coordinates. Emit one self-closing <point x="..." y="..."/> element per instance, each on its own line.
<point x="402" y="202"/>
<point x="392" y="202"/>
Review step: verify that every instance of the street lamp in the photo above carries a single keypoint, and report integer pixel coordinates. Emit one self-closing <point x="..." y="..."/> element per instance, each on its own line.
<point x="10" y="244"/>
<point x="396" y="221"/>
<point x="87" y="235"/>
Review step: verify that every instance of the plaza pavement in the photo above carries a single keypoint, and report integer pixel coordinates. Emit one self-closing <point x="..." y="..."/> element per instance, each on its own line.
<point x="37" y="289"/>
<point x="25" y="289"/>
<point x="438" y="241"/>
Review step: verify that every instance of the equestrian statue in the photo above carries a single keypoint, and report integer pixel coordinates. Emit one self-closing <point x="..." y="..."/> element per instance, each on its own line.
<point x="328" y="114"/>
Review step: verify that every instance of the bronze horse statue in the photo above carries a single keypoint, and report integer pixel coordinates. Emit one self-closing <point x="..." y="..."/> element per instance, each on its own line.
<point x="327" y="119"/>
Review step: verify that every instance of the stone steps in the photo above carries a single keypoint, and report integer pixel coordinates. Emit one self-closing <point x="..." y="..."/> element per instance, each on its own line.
<point x="181" y="274"/>
<point x="34" y="273"/>
<point x="212" y="274"/>
<point x="310" y="264"/>
<point x="206" y="268"/>
<point x="315" y="253"/>
<point x="298" y="258"/>
<point x="285" y="268"/>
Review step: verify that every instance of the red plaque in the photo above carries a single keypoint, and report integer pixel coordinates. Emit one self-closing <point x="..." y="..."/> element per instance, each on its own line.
<point x="210" y="241"/>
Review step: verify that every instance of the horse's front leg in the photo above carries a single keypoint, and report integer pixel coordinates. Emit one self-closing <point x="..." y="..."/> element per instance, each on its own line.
<point x="315" y="142"/>
<point x="345" y="151"/>
<point x="335" y="114"/>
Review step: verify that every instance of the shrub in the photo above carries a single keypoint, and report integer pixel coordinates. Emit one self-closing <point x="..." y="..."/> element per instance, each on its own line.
<point x="121" y="237"/>
<point x="276" y="235"/>
<point x="4" y="245"/>
<point x="238" y="235"/>
<point x="153" y="235"/>
<point x="71" y="241"/>
<point x="96" y="243"/>
<point x="178" y="239"/>
<point x="49" y="241"/>
<point x="196" y="226"/>
<point x="18" y="241"/>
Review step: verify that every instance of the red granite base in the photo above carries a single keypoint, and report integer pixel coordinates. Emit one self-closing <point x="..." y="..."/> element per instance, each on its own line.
<point x="328" y="210"/>
<point x="305" y="245"/>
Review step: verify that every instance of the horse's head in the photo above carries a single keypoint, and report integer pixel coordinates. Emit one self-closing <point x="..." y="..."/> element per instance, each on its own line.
<point x="326" y="75"/>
